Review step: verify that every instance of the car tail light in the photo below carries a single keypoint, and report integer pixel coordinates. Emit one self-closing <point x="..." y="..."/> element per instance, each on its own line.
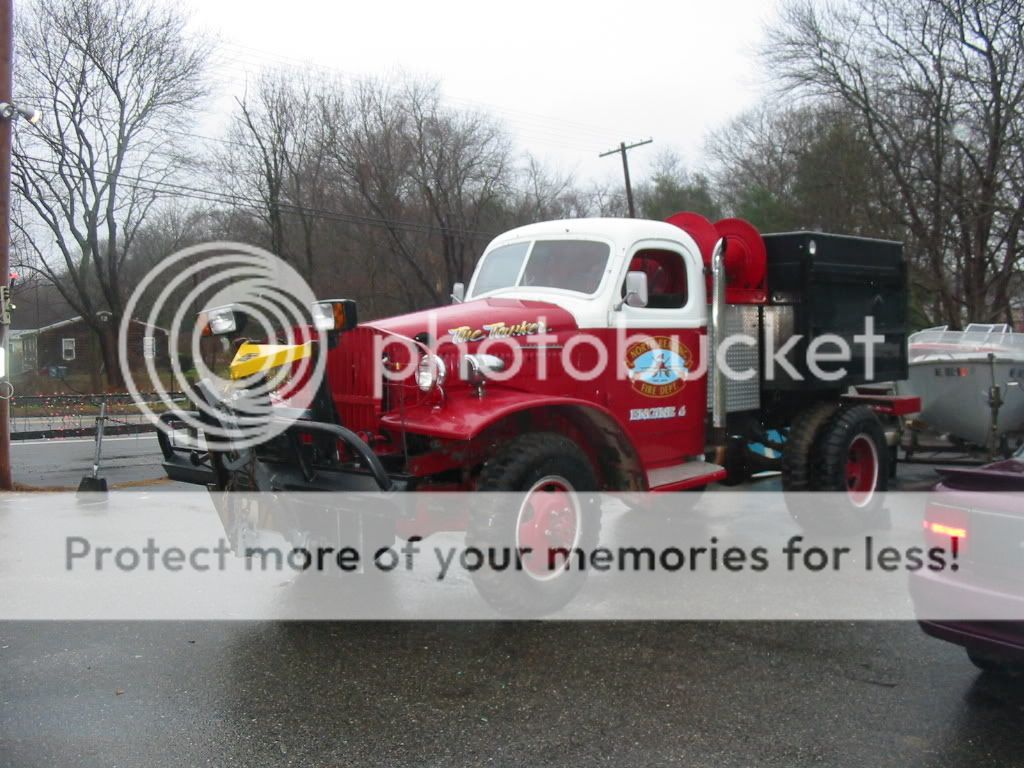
<point x="942" y="529"/>
<point x="943" y="522"/>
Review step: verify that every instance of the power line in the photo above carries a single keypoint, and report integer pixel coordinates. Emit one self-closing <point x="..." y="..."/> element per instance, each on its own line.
<point x="528" y="136"/>
<point x="195" y="193"/>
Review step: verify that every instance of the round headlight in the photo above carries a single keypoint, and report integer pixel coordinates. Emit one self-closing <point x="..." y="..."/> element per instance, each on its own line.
<point x="430" y="372"/>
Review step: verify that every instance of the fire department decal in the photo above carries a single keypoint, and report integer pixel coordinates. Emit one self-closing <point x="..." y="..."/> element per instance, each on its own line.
<point x="658" y="369"/>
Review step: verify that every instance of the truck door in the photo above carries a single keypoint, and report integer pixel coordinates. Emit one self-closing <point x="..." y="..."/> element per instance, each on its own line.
<point x="660" y="385"/>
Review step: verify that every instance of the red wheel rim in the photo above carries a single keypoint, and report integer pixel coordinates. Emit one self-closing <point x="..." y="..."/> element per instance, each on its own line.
<point x="861" y="470"/>
<point x="548" y="525"/>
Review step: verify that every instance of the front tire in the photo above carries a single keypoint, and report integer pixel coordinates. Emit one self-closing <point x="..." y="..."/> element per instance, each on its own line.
<point x="554" y="510"/>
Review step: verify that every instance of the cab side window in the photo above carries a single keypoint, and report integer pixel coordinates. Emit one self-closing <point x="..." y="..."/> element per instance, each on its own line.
<point x="666" y="278"/>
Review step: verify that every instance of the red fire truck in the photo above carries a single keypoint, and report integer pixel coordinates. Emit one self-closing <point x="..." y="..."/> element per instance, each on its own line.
<point x="599" y="354"/>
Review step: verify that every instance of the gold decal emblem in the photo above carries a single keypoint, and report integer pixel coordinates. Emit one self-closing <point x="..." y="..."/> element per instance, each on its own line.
<point x="499" y="330"/>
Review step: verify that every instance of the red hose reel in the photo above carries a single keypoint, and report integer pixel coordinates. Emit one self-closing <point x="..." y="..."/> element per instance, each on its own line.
<point x="746" y="259"/>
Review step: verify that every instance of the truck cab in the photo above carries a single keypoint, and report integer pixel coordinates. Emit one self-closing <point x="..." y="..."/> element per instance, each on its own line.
<point x="617" y="311"/>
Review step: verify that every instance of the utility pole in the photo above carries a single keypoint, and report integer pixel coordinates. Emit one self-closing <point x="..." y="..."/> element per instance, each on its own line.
<point x="6" y="130"/>
<point x="622" y="149"/>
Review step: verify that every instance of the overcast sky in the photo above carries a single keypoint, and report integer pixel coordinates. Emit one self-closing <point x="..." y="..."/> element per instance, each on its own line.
<point x="569" y="79"/>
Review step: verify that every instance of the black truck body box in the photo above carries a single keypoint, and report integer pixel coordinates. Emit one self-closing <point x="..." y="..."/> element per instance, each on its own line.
<point x="828" y="284"/>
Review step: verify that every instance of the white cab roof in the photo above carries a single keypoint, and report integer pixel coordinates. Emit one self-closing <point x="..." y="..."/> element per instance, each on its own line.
<point x="622" y="232"/>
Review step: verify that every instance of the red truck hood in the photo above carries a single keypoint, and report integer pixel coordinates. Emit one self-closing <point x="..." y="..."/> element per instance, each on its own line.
<point x="478" y="316"/>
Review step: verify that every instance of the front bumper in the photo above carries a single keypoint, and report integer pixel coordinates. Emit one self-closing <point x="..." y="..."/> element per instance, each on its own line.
<point x="193" y="463"/>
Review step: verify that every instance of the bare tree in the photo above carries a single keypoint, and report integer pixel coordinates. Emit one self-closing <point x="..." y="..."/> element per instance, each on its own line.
<point x="673" y="188"/>
<point x="371" y="166"/>
<point x="433" y="181"/>
<point x="277" y="154"/>
<point x="379" y="189"/>
<point x="607" y="199"/>
<point x="938" y="89"/>
<point x="543" y="194"/>
<point x="462" y="167"/>
<point x="803" y="167"/>
<point x="115" y="76"/>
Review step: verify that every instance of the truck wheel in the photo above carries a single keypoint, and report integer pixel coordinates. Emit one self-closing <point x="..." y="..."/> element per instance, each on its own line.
<point x="796" y="454"/>
<point x="737" y="467"/>
<point x="849" y="459"/>
<point x="853" y="456"/>
<point x="559" y="513"/>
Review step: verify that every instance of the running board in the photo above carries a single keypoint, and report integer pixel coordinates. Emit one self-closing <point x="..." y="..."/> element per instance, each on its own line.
<point x="681" y="477"/>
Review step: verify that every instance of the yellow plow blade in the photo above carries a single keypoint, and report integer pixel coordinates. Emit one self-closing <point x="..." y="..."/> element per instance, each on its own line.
<point x="259" y="358"/>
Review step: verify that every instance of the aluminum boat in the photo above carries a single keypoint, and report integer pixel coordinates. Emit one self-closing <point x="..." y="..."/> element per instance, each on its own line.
<point x="971" y="383"/>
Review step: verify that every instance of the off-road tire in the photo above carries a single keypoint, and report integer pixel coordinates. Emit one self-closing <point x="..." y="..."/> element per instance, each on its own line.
<point x="737" y="467"/>
<point x="796" y="454"/>
<point x="828" y="473"/>
<point x="516" y="467"/>
<point x="828" y="467"/>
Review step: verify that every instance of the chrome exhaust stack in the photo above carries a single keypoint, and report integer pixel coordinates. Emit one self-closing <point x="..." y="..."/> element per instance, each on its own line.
<point x="716" y="330"/>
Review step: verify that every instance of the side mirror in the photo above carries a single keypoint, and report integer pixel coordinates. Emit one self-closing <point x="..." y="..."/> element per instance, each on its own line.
<point x="636" y="289"/>
<point x="458" y="293"/>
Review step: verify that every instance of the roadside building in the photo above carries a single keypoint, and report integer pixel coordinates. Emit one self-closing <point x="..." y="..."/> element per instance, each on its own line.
<point x="70" y="347"/>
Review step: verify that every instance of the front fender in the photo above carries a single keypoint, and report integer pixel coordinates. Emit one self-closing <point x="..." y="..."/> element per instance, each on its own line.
<point x="464" y="415"/>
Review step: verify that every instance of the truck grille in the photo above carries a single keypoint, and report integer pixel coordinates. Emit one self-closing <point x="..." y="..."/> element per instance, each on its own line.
<point x="351" y="377"/>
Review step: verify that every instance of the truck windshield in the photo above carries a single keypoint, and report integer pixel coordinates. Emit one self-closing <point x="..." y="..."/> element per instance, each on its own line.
<point x="571" y="265"/>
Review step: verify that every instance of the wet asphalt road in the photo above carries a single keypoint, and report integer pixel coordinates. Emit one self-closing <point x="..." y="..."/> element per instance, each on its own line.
<point x="134" y="459"/>
<point x="528" y="694"/>
<point x="531" y="694"/>
<point x="62" y="463"/>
